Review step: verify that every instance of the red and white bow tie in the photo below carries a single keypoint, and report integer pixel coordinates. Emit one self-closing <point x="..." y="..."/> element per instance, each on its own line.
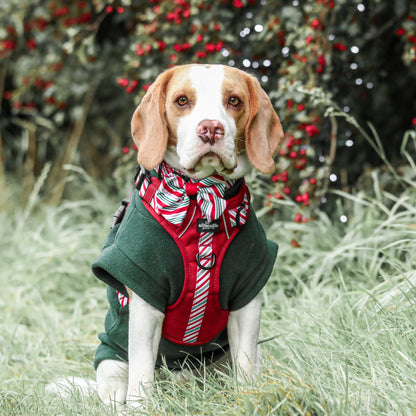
<point x="172" y="198"/>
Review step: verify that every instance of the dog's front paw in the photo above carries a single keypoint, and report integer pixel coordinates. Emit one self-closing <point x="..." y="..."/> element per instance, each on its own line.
<point x="136" y="399"/>
<point x="112" y="378"/>
<point x="248" y="368"/>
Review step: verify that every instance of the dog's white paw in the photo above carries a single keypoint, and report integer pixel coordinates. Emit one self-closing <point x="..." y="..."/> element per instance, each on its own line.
<point x="112" y="381"/>
<point x="138" y="394"/>
<point x="135" y="402"/>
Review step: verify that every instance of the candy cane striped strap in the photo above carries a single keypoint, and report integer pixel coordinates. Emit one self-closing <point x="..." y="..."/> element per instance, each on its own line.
<point x="203" y="281"/>
<point x="124" y="300"/>
<point x="239" y="215"/>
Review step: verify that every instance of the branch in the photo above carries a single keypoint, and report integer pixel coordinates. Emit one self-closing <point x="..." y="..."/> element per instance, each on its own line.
<point x="58" y="177"/>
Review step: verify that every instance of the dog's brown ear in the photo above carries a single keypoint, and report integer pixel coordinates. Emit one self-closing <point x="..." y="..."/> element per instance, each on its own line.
<point x="149" y="126"/>
<point x="263" y="130"/>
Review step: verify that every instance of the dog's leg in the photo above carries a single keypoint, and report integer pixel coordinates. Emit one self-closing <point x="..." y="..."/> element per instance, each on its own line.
<point x="112" y="378"/>
<point x="243" y="333"/>
<point x="145" y="329"/>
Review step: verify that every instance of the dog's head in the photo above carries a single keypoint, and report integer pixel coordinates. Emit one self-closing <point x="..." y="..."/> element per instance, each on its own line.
<point x="207" y="119"/>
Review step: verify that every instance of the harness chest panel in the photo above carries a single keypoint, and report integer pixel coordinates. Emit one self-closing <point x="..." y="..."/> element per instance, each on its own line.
<point x="196" y="317"/>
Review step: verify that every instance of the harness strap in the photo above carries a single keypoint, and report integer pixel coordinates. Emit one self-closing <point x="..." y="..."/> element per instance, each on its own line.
<point x="151" y="190"/>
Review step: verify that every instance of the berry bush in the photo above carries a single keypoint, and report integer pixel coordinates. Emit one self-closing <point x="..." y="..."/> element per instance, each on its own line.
<point x="71" y="73"/>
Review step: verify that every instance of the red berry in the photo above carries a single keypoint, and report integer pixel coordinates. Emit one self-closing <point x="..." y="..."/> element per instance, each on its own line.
<point x="210" y="47"/>
<point x="132" y="86"/>
<point x="339" y="46"/>
<point x="298" y="218"/>
<point x="31" y="44"/>
<point x="294" y="243"/>
<point x="315" y="24"/>
<point x="162" y="45"/>
<point x="311" y="130"/>
<point x="219" y="46"/>
<point x="139" y="50"/>
<point x="62" y="11"/>
<point x="9" y="45"/>
<point x="123" y="82"/>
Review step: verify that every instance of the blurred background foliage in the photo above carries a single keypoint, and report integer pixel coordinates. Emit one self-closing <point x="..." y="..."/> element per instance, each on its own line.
<point x="72" y="72"/>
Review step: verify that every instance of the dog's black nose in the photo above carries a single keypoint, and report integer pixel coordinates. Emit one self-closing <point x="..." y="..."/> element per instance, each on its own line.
<point x="209" y="131"/>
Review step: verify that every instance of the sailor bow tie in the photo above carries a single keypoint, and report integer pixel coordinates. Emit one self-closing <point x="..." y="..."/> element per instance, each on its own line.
<point x="172" y="198"/>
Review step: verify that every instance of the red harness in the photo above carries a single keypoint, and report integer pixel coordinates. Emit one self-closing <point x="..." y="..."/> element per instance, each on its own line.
<point x="196" y="317"/>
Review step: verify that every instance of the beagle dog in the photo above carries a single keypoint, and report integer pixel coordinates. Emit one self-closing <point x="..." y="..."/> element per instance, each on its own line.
<point x="202" y="122"/>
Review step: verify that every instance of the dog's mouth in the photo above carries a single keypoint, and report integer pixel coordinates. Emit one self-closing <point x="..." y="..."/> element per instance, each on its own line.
<point x="213" y="162"/>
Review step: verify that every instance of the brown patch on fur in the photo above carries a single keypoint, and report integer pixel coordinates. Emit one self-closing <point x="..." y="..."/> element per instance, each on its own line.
<point x="258" y="126"/>
<point x="263" y="131"/>
<point x="149" y="125"/>
<point x="178" y="86"/>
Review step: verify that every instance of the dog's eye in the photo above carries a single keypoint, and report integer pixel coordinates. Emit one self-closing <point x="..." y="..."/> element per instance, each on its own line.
<point x="183" y="100"/>
<point x="234" y="101"/>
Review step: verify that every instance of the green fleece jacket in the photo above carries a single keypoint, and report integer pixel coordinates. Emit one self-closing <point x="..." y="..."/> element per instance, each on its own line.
<point x="140" y="254"/>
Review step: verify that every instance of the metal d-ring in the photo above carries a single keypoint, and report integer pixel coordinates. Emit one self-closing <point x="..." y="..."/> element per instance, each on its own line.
<point x="214" y="259"/>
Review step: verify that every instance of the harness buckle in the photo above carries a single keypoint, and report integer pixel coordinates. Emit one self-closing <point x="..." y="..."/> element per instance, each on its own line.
<point x="119" y="214"/>
<point x="141" y="175"/>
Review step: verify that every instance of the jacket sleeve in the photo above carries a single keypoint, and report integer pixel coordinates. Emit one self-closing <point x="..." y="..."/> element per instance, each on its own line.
<point x="128" y="258"/>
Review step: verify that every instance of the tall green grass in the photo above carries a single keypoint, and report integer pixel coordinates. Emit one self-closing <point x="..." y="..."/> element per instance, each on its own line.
<point x="338" y="319"/>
